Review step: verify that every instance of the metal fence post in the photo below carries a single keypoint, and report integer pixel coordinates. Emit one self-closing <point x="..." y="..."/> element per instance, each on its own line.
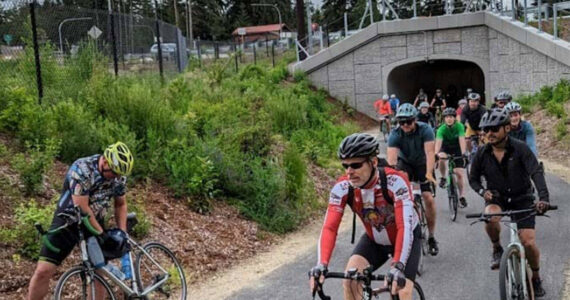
<point x="254" y="55"/>
<point x="160" y="67"/>
<point x="525" y="17"/>
<point x="555" y="16"/>
<point x="327" y="33"/>
<point x="273" y="53"/>
<point x="235" y="57"/>
<point x="514" y="10"/>
<point x="199" y="52"/>
<point x="415" y="10"/>
<point x="539" y="15"/>
<point x="266" y="46"/>
<point x="114" y="42"/>
<point x="36" y="52"/>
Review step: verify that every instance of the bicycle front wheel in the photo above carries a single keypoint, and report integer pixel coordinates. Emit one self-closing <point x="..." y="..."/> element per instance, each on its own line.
<point x="452" y="196"/>
<point x="73" y="284"/>
<point x="154" y="266"/>
<point x="511" y="278"/>
<point x="418" y="293"/>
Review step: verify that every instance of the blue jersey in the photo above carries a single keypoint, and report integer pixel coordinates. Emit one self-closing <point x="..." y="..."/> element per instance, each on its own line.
<point x="525" y="133"/>
<point x="411" y="144"/>
<point x="394" y="103"/>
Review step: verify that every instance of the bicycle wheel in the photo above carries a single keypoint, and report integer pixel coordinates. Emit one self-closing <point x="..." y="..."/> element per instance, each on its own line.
<point x="424" y="232"/>
<point x="148" y="273"/>
<point x="452" y="197"/>
<point x="510" y="276"/>
<point x="73" y="285"/>
<point x="418" y="293"/>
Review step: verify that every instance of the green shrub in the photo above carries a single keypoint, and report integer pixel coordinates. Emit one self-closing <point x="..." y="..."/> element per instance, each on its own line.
<point x="556" y="109"/>
<point x="32" y="167"/>
<point x="560" y="129"/>
<point x="278" y="74"/>
<point x="24" y="234"/>
<point x="299" y="76"/>
<point x="142" y="229"/>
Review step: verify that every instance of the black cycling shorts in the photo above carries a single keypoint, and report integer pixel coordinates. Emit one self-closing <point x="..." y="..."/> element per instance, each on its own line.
<point x="524" y="221"/>
<point x="454" y="151"/>
<point x="415" y="174"/>
<point x="377" y="255"/>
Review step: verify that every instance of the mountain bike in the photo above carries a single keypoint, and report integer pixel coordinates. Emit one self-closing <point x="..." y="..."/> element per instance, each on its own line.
<point x="452" y="189"/>
<point x="474" y="140"/>
<point x="366" y="277"/>
<point x="156" y="273"/>
<point x="515" y="275"/>
<point x="421" y="211"/>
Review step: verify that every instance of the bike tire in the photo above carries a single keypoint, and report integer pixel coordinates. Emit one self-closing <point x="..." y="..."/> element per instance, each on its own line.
<point x="59" y="293"/>
<point x="452" y="197"/>
<point x="419" y="291"/>
<point x="510" y="283"/>
<point x="423" y="233"/>
<point x="175" y="268"/>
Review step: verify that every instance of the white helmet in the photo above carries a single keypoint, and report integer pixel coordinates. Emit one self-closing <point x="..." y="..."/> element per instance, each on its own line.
<point x="385" y="96"/>
<point x="393" y="96"/>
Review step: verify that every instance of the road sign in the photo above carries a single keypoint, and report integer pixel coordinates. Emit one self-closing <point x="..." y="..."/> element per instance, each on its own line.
<point x="94" y="32"/>
<point x="8" y="38"/>
<point x="241" y="31"/>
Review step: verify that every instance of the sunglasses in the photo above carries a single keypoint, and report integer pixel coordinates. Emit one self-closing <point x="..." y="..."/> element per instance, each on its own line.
<point x="354" y="166"/>
<point x="493" y="129"/>
<point x="112" y="172"/>
<point x="406" y="122"/>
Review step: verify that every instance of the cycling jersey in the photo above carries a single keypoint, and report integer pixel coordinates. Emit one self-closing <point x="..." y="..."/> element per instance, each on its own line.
<point x="385" y="224"/>
<point x="473" y="117"/>
<point x="450" y="135"/>
<point x="438" y="101"/>
<point x="426" y="118"/>
<point x="394" y="103"/>
<point x="383" y="107"/>
<point x="411" y="145"/>
<point x="525" y="133"/>
<point x="84" y="179"/>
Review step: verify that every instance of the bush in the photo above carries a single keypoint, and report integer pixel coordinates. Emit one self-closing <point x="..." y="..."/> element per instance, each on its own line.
<point x="560" y="129"/>
<point x="299" y="76"/>
<point x="556" y="109"/>
<point x="33" y="167"/>
<point x="142" y="229"/>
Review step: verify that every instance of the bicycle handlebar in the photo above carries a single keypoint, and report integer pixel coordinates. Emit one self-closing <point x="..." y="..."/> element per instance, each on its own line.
<point x="506" y="213"/>
<point x="367" y="277"/>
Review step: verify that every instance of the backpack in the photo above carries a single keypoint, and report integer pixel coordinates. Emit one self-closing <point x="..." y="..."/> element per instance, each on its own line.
<point x="382" y="164"/>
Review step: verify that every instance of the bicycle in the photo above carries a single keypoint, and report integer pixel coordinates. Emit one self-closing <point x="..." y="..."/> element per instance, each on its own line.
<point x="474" y="140"/>
<point x="451" y="182"/>
<point x="383" y="119"/>
<point x="366" y="277"/>
<point x="150" y="279"/>
<point x="421" y="211"/>
<point x="515" y="281"/>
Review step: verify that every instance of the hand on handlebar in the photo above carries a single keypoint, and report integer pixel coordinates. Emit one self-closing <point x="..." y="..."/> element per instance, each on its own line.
<point x="319" y="272"/>
<point x="396" y="278"/>
<point x="542" y="207"/>
<point x="429" y="177"/>
<point x="490" y="195"/>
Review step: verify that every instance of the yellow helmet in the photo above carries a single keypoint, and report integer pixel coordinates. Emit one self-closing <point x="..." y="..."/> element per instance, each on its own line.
<point x="120" y="158"/>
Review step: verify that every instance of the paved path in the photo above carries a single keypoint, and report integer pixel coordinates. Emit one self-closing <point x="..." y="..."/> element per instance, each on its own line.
<point x="460" y="271"/>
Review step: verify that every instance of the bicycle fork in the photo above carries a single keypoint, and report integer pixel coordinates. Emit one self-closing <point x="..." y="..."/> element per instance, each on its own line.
<point x="515" y="242"/>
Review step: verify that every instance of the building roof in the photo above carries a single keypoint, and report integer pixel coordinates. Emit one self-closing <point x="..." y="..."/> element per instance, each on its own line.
<point x="260" y="29"/>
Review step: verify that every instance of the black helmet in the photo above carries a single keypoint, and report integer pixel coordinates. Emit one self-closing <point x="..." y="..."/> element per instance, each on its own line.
<point x="450" y="111"/>
<point x="117" y="245"/>
<point x="358" y="145"/>
<point x="504" y="95"/>
<point x="474" y="96"/>
<point x="495" y="117"/>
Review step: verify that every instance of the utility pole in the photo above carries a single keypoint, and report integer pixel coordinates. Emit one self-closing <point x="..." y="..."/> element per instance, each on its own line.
<point x="176" y="13"/>
<point x="300" y="12"/>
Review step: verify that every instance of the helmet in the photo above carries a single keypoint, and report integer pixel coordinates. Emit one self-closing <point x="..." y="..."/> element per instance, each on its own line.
<point x="385" y="97"/>
<point x="504" y="95"/>
<point x="120" y="158"/>
<point x="393" y="96"/>
<point x="438" y="90"/>
<point x="474" y="96"/>
<point x="450" y="111"/>
<point x="358" y="145"/>
<point x="117" y="244"/>
<point x="469" y="91"/>
<point x="495" y="117"/>
<point x="424" y="105"/>
<point x="513" y="106"/>
<point x="462" y="101"/>
<point x="406" y="111"/>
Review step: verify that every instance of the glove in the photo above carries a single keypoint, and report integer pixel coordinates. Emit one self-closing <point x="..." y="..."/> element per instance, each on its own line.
<point x="396" y="273"/>
<point x="106" y="241"/>
<point x="316" y="277"/>
<point x="318" y="270"/>
<point x="542" y="206"/>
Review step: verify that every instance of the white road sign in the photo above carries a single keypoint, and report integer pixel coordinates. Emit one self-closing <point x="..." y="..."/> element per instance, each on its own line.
<point x="94" y="32"/>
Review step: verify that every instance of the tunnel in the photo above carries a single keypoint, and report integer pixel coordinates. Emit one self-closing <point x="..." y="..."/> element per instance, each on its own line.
<point x="452" y="76"/>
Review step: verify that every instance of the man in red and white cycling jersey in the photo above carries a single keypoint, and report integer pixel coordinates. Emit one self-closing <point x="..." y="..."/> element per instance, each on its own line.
<point x="391" y="224"/>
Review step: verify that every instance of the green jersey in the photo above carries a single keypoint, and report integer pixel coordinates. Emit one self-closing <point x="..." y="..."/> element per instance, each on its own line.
<point x="450" y="135"/>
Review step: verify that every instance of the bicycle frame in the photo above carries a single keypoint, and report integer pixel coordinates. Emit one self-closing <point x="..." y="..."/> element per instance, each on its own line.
<point x="515" y="242"/>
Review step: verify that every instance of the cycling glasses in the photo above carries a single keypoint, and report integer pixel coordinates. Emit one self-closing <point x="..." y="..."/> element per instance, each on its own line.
<point x="493" y="129"/>
<point x="406" y="122"/>
<point x="354" y="166"/>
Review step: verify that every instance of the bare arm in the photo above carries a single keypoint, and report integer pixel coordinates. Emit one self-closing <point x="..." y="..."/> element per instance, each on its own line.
<point x="121" y="212"/>
<point x="392" y="155"/>
<point x="83" y="203"/>
<point x="462" y="144"/>
<point x="438" y="143"/>
<point x="429" y="148"/>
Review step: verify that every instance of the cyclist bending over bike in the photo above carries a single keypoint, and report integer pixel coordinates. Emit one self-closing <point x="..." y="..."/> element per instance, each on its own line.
<point x="450" y="142"/>
<point x="424" y="115"/>
<point x="470" y="117"/>
<point x="411" y="147"/>
<point x="508" y="166"/>
<point x="384" y="111"/>
<point x="382" y="199"/>
<point x="89" y="184"/>
<point x="521" y="129"/>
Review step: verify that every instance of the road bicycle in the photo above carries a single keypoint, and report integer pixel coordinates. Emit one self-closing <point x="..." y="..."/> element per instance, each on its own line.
<point x="452" y="189"/>
<point x="157" y="274"/>
<point x="366" y="278"/>
<point x="383" y="120"/>
<point x="515" y="275"/>
<point x="421" y="211"/>
<point x="474" y="141"/>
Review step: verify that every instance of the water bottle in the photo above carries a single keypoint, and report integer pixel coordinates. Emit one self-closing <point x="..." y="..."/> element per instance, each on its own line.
<point x="95" y="253"/>
<point x="126" y="266"/>
<point x="115" y="271"/>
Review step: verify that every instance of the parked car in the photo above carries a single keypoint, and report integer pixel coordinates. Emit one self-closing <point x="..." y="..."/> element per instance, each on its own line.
<point x="168" y="50"/>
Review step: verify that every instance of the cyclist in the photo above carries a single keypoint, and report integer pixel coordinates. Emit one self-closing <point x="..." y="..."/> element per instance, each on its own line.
<point x="460" y="106"/>
<point x="501" y="99"/>
<point x="89" y="184"/>
<point x="508" y="166"/>
<point x="471" y="116"/>
<point x="438" y="104"/>
<point x="424" y="115"/>
<point x="411" y="147"/>
<point x="384" y="111"/>
<point x="521" y="129"/>
<point x="394" y="103"/>
<point x="468" y="91"/>
<point x="450" y="141"/>
<point x="388" y="216"/>
<point x="420" y="98"/>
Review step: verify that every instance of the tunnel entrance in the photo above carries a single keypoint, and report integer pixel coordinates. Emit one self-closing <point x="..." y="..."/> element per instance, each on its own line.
<point x="452" y="76"/>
